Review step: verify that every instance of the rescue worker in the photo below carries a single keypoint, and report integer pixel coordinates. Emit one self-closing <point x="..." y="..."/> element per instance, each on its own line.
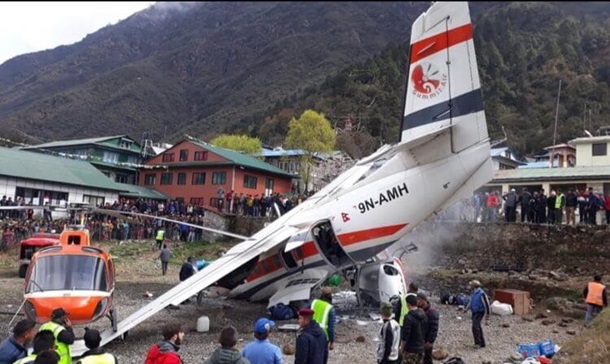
<point x="312" y="346"/>
<point x="389" y="345"/>
<point x="412" y="334"/>
<point x="43" y="341"/>
<point x="95" y="354"/>
<point x="401" y="307"/>
<point x="325" y="315"/>
<point x="431" y="330"/>
<point x="560" y="203"/>
<point x="47" y="357"/>
<point x="160" y="237"/>
<point x="479" y="305"/>
<point x="61" y="327"/>
<point x="14" y="347"/>
<point x="596" y="298"/>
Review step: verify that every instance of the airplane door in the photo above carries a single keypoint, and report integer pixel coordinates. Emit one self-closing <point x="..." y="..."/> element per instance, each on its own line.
<point x="328" y="245"/>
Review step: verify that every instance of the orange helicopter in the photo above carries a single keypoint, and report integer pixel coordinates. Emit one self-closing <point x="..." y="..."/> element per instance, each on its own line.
<point x="73" y="275"/>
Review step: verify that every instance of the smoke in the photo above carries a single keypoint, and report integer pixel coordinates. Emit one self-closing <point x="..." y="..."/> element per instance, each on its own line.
<point x="430" y="237"/>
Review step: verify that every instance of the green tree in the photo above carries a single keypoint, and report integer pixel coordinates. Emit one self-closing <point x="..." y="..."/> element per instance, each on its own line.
<point x="239" y="143"/>
<point x="312" y="133"/>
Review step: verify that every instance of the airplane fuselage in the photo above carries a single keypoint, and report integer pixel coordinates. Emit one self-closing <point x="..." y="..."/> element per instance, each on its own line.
<point x="367" y="215"/>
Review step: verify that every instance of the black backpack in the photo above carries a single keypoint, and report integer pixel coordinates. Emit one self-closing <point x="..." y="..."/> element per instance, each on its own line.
<point x="454" y="360"/>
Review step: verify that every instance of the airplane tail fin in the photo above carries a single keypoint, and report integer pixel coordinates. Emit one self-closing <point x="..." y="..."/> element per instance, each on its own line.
<point x="443" y="87"/>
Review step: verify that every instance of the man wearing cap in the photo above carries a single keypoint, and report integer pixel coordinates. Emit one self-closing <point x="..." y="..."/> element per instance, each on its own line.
<point x="479" y="305"/>
<point x="431" y="330"/>
<point x="325" y="315"/>
<point x="95" y="354"/>
<point x="389" y="345"/>
<point x="312" y="346"/>
<point x="261" y="351"/>
<point x="13" y="347"/>
<point x="61" y="327"/>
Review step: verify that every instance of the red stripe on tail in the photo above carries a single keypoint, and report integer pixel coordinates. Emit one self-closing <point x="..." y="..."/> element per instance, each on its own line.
<point x="436" y="43"/>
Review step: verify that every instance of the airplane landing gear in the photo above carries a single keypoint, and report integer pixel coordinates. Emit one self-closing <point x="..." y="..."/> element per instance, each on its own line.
<point x="112" y="315"/>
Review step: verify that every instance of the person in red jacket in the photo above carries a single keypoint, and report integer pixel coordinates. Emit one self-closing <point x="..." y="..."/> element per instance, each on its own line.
<point x="166" y="351"/>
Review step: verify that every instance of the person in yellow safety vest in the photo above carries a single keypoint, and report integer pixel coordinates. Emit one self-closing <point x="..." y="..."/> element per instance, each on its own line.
<point x="596" y="298"/>
<point x="402" y="308"/>
<point x="61" y="327"/>
<point x="159" y="238"/>
<point x="560" y="203"/>
<point x="43" y="341"/>
<point x="325" y="315"/>
<point x="95" y="354"/>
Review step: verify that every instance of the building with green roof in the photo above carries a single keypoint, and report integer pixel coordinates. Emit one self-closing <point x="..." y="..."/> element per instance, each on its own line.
<point x="41" y="178"/>
<point x="197" y="172"/>
<point x="116" y="156"/>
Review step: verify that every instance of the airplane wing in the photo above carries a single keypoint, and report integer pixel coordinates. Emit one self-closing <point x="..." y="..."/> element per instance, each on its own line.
<point x="299" y="289"/>
<point x="220" y="268"/>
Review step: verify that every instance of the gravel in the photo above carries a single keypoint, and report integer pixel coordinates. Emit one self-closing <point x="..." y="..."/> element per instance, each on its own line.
<point x="454" y="335"/>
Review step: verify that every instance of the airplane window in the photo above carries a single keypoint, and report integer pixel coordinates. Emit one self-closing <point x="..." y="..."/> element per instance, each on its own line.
<point x="276" y="261"/>
<point x="266" y="266"/>
<point x="389" y="270"/>
<point x="68" y="272"/>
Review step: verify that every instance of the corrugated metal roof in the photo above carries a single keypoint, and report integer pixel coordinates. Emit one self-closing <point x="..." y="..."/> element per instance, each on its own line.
<point x="100" y="141"/>
<point x="134" y="191"/>
<point x="242" y="159"/>
<point x="43" y="167"/>
<point x="290" y="153"/>
<point x="552" y="174"/>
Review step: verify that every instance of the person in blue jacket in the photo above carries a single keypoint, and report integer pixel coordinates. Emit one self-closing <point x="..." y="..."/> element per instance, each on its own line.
<point x="479" y="305"/>
<point x="13" y="347"/>
<point x="312" y="345"/>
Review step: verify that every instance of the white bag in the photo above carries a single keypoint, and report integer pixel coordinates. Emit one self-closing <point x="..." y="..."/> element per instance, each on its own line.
<point x="501" y="309"/>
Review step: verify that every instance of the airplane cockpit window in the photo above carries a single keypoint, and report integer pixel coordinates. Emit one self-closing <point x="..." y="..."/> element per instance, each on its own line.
<point x="68" y="272"/>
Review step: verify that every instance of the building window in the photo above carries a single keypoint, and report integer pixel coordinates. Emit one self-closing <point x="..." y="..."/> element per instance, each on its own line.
<point x="269" y="184"/>
<point x="110" y="157"/>
<point x="168" y="157"/>
<point x="249" y="181"/>
<point x="201" y="156"/>
<point x="93" y="200"/>
<point x="600" y="149"/>
<point x="219" y="178"/>
<point x="197" y="201"/>
<point x="125" y="143"/>
<point x="121" y="178"/>
<point x="166" y="178"/>
<point x="198" y="178"/>
<point x="181" y="178"/>
<point x="149" y="179"/>
<point x="184" y="155"/>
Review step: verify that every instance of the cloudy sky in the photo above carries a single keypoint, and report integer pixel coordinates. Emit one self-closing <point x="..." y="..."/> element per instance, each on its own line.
<point x="33" y="26"/>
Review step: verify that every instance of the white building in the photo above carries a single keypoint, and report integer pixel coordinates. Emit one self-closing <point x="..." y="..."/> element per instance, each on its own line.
<point x="41" y="178"/>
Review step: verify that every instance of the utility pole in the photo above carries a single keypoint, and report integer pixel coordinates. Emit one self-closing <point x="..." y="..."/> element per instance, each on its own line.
<point x="555" y="132"/>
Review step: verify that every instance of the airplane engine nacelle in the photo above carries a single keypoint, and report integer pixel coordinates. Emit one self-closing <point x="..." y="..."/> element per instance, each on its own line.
<point x="378" y="282"/>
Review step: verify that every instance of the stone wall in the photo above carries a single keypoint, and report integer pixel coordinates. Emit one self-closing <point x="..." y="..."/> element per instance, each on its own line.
<point x="515" y="246"/>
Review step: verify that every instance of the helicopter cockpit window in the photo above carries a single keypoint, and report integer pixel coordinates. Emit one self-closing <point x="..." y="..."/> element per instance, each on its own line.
<point x="68" y="272"/>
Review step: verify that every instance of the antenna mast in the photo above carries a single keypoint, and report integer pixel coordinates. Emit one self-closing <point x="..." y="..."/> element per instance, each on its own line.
<point x="555" y="132"/>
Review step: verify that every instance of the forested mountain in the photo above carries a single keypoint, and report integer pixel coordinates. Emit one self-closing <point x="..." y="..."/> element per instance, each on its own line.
<point x="523" y="50"/>
<point x="204" y="68"/>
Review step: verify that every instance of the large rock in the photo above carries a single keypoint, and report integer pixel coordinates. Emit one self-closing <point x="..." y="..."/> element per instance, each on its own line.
<point x="439" y="354"/>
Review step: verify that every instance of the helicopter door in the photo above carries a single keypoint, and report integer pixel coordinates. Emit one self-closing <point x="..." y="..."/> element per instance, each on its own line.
<point x="328" y="245"/>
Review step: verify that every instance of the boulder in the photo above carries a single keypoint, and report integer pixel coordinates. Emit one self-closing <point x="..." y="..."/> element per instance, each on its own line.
<point x="288" y="350"/>
<point x="439" y="354"/>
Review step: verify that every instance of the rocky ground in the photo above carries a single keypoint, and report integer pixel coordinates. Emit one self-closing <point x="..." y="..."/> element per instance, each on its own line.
<point x="356" y="333"/>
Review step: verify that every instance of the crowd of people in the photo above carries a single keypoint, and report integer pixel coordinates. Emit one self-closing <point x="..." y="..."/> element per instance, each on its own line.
<point x="254" y="205"/>
<point x="567" y="207"/>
